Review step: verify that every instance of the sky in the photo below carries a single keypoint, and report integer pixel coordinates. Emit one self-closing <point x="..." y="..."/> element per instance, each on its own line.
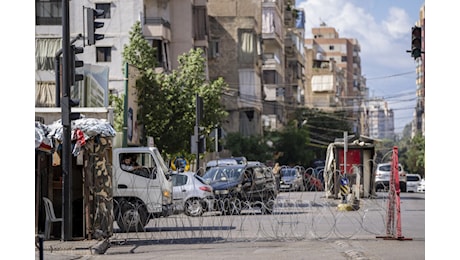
<point x="383" y="30"/>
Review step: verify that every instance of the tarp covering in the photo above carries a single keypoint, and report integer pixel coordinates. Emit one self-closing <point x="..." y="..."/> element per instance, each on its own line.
<point x="82" y="130"/>
<point x="42" y="142"/>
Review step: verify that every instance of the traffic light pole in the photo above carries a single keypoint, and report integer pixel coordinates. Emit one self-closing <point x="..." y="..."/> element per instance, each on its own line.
<point x="66" y="228"/>
<point x="197" y="131"/>
<point x="57" y="69"/>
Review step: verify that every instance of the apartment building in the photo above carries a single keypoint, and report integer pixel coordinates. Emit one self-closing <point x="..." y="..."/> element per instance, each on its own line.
<point x="235" y="51"/>
<point x="343" y="87"/>
<point x="380" y="119"/>
<point x="257" y="47"/>
<point x="173" y="27"/>
<point x="418" y="124"/>
<point x="294" y="90"/>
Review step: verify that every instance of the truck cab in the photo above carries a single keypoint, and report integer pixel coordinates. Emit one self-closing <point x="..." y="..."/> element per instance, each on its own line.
<point x="142" y="190"/>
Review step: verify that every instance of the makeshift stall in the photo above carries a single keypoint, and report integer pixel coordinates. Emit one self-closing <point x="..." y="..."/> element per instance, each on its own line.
<point x="350" y="158"/>
<point x="92" y="214"/>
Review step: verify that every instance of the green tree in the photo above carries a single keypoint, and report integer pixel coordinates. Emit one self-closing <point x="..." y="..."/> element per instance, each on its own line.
<point x="254" y="148"/>
<point x="117" y="104"/>
<point x="414" y="158"/>
<point x="323" y="128"/>
<point x="172" y="121"/>
<point x="293" y="146"/>
<point x="139" y="52"/>
<point x="167" y="101"/>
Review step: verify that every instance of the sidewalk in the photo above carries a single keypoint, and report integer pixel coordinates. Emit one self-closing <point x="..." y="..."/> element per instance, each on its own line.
<point x="77" y="247"/>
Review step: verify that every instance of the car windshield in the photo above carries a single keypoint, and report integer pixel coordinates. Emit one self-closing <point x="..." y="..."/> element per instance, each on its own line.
<point x="412" y="178"/>
<point x="287" y="172"/>
<point x="387" y="168"/>
<point x="225" y="173"/>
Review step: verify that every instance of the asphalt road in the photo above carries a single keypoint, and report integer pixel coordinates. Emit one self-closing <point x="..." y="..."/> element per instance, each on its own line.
<point x="360" y="245"/>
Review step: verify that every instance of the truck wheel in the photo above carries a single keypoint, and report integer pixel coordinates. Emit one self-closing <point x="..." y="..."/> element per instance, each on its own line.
<point x="194" y="207"/>
<point x="133" y="216"/>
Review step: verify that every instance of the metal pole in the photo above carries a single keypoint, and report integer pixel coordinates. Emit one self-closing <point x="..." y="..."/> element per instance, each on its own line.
<point x="125" y="110"/>
<point x="345" y="150"/>
<point x="197" y="131"/>
<point x="57" y="68"/>
<point x="66" y="138"/>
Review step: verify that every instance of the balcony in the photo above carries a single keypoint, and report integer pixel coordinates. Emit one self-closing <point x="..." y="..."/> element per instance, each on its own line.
<point x="157" y="27"/>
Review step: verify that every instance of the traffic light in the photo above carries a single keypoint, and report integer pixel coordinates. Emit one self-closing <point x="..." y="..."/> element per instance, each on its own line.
<point x="74" y="63"/>
<point x="201" y="140"/>
<point x="74" y="103"/>
<point x="92" y="25"/>
<point x="416" y="50"/>
<point x="219" y="137"/>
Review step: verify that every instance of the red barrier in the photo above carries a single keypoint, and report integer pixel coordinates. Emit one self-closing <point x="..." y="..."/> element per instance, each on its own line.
<point x="394" y="202"/>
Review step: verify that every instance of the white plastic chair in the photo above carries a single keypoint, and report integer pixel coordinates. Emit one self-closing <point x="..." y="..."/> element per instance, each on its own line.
<point x="50" y="217"/>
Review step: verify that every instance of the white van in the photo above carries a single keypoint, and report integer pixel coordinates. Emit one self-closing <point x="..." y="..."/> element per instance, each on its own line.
<point x="412" y="182"/>
<point x="143" y="193"/>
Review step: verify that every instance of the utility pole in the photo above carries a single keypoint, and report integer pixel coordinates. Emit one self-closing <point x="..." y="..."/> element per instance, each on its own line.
<point x="66" y="228"/>
<point x="198" y="111"/>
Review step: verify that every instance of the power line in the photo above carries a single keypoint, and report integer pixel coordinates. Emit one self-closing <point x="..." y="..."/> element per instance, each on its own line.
<point x="392" y="76"/>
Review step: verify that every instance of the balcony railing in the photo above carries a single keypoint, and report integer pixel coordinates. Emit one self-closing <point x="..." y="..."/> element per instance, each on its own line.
<point x="157" y="21"/>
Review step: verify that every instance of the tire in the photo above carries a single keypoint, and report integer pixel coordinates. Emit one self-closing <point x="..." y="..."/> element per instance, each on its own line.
<point x="194" y="207"/>
<point x="132" y="216"/>
<point x="402" y="186"/>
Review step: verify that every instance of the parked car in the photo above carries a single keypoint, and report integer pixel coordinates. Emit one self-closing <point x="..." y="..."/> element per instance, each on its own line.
<point x="226" y="161"/>
<point x="291" y="179"/>
<point x="421" y="186"/>
<point x="242" y="186"/>
<point x="191" y="194"/>
<point x="412" y="182"/>
<point x="382" y="177"/>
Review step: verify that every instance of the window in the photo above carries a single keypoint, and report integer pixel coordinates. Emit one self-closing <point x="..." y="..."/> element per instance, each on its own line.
<point x="106" y="8"/>
<point x="48" y="12"/>
<point x="103" y="54"/>
<point x="162" y="53"/>
<point x="331" y="47"/>
<point x="246" y="47"/>
<point x="145" y="160"/>
<point x="344" y="58"/>
<point x="214" y="49"/>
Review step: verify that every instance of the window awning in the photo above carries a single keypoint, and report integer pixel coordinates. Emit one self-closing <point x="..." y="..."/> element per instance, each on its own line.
<point x="45" y="51"/>
<point x="321" y="83"/>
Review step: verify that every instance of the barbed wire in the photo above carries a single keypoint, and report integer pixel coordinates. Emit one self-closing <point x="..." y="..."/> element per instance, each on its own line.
<point x="297" y="215"/>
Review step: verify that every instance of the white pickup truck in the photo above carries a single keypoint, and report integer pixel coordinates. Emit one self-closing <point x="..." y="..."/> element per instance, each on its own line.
<point x="141" y="194"/>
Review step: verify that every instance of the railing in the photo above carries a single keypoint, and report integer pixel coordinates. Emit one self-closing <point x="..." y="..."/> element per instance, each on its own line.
<point x="157" y="20"/>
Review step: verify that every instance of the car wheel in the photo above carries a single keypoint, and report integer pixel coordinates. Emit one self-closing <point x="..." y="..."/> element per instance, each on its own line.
<point x="402" y="186"/>
<point x="194" y="207"/>
<point x="133" y="216"/>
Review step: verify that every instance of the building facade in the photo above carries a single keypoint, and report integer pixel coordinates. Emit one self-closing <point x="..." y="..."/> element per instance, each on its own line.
<point x="381" y="119"/>
<point x="335" y="79"/>
<point x="173" y="27"/>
